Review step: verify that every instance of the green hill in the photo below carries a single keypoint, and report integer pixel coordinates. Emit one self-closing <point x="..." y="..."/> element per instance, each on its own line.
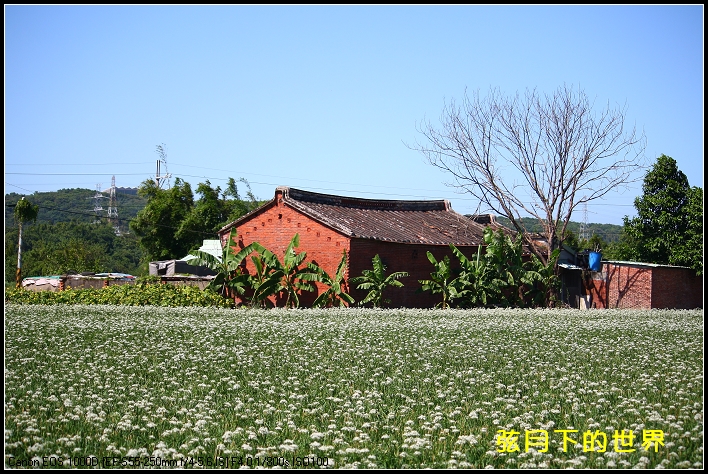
<point x="608" y="232"/>
<point x="77" y="204"/>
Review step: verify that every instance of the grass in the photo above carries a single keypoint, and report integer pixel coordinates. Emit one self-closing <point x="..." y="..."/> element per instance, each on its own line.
<point x="348" y="387"/>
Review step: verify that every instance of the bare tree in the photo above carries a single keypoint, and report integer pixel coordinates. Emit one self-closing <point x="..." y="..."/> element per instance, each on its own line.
<point x="536" y="155"/>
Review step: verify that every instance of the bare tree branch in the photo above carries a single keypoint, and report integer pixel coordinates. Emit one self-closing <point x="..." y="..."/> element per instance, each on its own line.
<point x="537" y="155"/>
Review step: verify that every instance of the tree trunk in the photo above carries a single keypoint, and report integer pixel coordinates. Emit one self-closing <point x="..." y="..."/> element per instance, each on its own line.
<point x="18" y="274"/>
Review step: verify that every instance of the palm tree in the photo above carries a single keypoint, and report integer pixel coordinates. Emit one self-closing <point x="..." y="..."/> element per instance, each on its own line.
<point x="376" y="282"/>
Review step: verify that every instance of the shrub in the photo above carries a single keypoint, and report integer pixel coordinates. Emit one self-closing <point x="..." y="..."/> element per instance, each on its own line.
<point x="128" y="295"/>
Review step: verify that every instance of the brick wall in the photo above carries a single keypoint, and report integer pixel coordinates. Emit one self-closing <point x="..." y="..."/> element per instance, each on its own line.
<point x="637" y="286"/>
<point x="397" y="257"/>
<point x="678" y="288"/>
<point x="274" y="227"/>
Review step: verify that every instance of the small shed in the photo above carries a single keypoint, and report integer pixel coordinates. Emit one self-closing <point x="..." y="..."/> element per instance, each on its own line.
<point x="622" y="284"/>
<point x="170" y="268"/>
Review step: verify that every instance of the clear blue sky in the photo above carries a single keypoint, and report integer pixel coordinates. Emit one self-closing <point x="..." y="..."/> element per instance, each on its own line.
<point x="323" y="98"/>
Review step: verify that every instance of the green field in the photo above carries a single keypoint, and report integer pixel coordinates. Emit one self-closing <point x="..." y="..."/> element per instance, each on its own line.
<point x="192" y="387"/>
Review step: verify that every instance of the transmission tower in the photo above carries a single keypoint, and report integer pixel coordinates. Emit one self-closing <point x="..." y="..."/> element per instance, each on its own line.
<point x="113" y="207"/>
<point x="97" y="208"/>
<point x="159" y="179"/>
<point x="584" y="225"/>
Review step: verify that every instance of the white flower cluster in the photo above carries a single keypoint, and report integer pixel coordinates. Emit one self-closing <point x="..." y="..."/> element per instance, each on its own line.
<point x="352" y="387"/>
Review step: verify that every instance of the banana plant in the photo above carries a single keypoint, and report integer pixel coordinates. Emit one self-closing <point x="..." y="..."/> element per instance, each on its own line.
<point x="335" y="294"/>
<point x="505" y="265"/>
<point x="473" y="281"/>
<point x="273" y="276"/>
<point x="266" y="279"/>
<point x="230" y="280"/>
<point x="376" y="282"/>
<point x="441" y="281"/>
<point x="542" y="280"/>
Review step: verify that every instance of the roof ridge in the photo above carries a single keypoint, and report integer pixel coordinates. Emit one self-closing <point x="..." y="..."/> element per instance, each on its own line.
<point x="362" y="203"/>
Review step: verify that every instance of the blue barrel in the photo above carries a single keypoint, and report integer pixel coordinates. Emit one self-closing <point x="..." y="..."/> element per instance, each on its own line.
<point x="595" y="261"/>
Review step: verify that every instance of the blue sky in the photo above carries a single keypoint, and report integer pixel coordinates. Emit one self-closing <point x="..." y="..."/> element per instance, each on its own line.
<point x="323" y="98"/>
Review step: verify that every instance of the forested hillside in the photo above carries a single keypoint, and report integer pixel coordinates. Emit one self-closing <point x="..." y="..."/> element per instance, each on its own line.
<point x="70" y="235"/>
<point x="607" y="232"/>
<point x="76" y="204"/>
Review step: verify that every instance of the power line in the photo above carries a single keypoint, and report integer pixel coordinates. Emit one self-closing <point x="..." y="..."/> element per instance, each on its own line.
<point x="78" y="174"/>
<point x="77" y="164"/>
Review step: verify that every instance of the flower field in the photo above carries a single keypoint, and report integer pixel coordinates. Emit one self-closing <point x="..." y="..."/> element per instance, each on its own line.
<point x="343" y="388"/>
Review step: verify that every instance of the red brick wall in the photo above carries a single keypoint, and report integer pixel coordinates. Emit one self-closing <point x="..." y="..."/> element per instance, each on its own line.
<point x="678" y="288"/>
<point x="627" y="286"/>
<point x="397" y="257"/>
<point x="276" y="225"/>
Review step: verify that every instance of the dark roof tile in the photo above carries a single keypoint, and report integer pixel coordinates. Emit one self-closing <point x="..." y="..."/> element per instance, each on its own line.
<point x="415" y="222"/>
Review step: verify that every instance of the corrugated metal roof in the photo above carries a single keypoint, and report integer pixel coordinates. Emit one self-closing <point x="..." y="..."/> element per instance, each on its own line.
<point x="212" y="247"/>
<point x="642" y="264"/>
<point x="418" y="222"/>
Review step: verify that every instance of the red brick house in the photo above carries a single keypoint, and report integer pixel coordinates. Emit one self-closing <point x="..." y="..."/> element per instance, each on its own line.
<point x="400" y="232"/>
<point x="643" y="286"/>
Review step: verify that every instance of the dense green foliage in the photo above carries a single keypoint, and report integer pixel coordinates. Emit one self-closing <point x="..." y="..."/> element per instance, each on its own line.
<point x="53" y="249"/>
<point x="158" y="224"/>
<point x="498" y="278"/>
<point x="76" y="204"/>
<point x="669" y="226"/>
<point x="355" y="388"/>
<point x="172" y="222"/>
<point x="127" y="295"/>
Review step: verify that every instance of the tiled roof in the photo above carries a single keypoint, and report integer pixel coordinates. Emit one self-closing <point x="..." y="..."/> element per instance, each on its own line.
<point x="416" y="222"/>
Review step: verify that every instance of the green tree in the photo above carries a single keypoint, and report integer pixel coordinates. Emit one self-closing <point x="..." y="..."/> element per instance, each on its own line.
<point x="207" y="216"/>
<point x="376" y="281"/>
<point x="158" y="223"/>
<point x="237" y="206"/>
<point x="668" y="228"/>
<point x="25" y="211"/>
<point x="172" y="222"/>
<point x="335" y="294"/>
